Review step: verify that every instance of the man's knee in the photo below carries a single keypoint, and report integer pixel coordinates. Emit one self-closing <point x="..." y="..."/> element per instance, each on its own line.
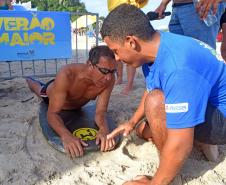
<point x="154" y="99"/>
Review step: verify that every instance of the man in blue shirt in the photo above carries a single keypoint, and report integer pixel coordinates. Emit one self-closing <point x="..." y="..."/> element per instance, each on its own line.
<point x="185" y="98"/>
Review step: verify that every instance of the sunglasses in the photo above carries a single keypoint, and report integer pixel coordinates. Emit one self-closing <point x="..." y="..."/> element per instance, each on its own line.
<point x="105" y="71"/>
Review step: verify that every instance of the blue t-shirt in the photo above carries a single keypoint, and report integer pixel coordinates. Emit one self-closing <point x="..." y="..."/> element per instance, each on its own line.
<point x="190" y="76"/>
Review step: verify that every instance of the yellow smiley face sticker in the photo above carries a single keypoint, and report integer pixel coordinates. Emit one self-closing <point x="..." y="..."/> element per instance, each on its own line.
<point x="85" y="134"/>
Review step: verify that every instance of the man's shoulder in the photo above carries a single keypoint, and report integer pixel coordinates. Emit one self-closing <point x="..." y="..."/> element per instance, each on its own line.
<point x="72" y="69"/>
<point x="74" y="66"/>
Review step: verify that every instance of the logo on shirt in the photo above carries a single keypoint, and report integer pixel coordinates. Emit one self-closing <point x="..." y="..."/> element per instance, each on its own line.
<point x="213" y="51"/>
<point x="176" y="108"/>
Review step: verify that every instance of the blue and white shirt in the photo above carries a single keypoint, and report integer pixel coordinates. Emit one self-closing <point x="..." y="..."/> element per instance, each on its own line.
<point x="190" y="76"/>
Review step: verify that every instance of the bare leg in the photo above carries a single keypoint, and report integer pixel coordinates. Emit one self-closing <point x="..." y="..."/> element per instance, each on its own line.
<point x="130" y="77"/>
<point x="119" y="73"/>
<point x="34" y="86"/>
<point x="223" y="44"/>
<point x="143" y="131"/>
<point x="156" y="116"/>
<point x="155" y="113"/>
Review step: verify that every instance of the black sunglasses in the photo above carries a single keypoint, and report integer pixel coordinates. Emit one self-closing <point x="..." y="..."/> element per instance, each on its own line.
<point x="105" y="71"/>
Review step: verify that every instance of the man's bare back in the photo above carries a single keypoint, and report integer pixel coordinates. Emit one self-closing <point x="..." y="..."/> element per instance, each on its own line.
<point x="80" y="89"/>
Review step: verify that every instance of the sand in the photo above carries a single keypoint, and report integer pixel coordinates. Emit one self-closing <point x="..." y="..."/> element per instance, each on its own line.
<point x="26" y="157"/>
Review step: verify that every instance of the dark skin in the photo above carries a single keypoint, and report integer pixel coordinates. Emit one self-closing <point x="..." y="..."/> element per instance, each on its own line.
<point x="202" y="7"/>
<point x="223" y="44"/>
<point x="74" y="86"/>
<point x="174" y="145"/>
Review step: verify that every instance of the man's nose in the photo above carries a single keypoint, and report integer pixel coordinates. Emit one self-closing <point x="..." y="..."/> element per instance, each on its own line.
<point x="108" y="76"/>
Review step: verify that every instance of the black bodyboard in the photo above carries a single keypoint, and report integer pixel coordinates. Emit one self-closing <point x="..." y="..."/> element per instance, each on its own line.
<point x="79" y="122"/>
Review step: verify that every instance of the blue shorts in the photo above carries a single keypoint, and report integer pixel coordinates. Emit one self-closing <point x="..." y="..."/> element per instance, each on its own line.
<point x="186" y="21"/>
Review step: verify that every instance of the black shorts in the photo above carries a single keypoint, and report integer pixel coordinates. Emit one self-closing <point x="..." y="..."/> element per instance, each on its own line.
<point x="43" y="92"/>
<point x="213" y="130"/>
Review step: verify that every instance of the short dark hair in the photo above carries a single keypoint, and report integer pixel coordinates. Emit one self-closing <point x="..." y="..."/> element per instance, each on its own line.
<point x="100" y="51"/>
<point x="127" y="20"/>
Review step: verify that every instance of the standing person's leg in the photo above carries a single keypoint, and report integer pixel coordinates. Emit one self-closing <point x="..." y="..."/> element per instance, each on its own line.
<point x="223" y="44"/>
<point x="119" y="73"/>
<point x="174" y="24"/>
<point x="130" y="77"/>
<point x="223" y="27"/>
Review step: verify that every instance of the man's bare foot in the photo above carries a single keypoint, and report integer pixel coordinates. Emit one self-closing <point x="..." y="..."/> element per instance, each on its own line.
<point x="118" y="81"/>
<point x="34" y="86"/>
<point x="126" y="90"/>
<point x="210" y="151"/>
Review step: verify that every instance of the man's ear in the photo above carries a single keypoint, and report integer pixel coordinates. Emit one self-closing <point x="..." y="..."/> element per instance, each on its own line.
<point x="89" y="64"/>
<point x="131" y="42"/>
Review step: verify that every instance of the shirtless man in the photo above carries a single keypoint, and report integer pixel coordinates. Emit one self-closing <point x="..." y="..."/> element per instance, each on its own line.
<point x="74" y="86"/>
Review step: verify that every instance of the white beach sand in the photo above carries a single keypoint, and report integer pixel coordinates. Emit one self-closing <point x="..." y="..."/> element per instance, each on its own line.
<point x="27" y="159"/>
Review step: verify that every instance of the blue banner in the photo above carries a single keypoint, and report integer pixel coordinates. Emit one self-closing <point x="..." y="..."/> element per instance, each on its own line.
<point x="26" y="35"/>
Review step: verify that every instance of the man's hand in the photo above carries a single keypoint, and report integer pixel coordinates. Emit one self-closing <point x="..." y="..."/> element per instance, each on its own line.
<point x="124" y="129"/>
<point x="73" y="145"/>
<point x="203" y="7"/>
<point x="105" y="144"/>
<point x="139" y="180"/>
<point x="161" y="9"/>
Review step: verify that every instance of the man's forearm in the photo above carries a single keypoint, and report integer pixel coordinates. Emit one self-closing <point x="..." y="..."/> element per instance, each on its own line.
<point x="172" y="158"/>
<point x="101" y="122"/>
<point x="166" y="2"/>
<point x="57" y="124"/>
